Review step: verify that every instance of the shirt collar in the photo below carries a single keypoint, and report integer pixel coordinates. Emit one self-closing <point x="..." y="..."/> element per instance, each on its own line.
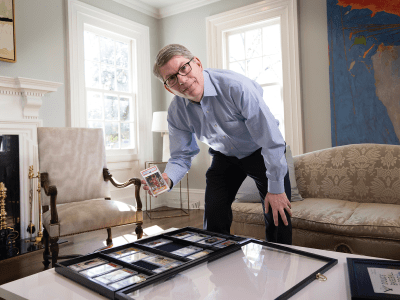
<point x="209" y="89"/>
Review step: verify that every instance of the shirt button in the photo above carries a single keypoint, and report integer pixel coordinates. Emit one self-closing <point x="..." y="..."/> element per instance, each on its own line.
<point x="224" y="136"/>
<point x="215" y="125"/>
<point x="207" y="111"/>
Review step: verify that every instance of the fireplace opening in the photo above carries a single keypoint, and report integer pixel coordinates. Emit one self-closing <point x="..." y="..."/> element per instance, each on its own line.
<point x="10" y="177"/>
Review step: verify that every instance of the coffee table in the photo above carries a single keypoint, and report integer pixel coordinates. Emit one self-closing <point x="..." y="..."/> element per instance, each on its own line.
<point x="202" y="282"/>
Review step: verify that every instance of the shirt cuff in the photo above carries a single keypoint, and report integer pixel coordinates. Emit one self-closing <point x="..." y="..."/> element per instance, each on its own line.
<point x="276" y="187"/>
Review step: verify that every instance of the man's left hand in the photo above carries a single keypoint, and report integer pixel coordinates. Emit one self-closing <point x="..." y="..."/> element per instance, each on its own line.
<point x="278" y="202"/>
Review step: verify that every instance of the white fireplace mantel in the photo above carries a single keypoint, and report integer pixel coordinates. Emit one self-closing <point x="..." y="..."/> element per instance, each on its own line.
<point x="27" y="96"/>
<point x="20" y="101"/>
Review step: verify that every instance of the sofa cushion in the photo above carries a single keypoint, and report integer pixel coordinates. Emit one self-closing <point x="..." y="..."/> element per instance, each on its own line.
<point x="250" y="213"/>
<point x="375" y="220"/>
<point x="368" y="220"/>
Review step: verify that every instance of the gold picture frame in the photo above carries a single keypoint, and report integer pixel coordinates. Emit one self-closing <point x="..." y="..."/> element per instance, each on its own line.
<point x="7" y="31"/>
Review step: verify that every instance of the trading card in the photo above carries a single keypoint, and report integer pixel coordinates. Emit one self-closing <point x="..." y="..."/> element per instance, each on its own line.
<point x="197" y="237"/>
<point x="183" y="235"/>
<point x="211" y="241"/>
<point x="123" y="252"/>
<point x="115" y="276"/>
<point x="157" y="243"/>
<point x="135" y="256"/>
<point x="128" y="281"/>
<point x="199" y="254"/>
<point x="225" y="244"/>
<point x="159" y="260"/>
<point x="99" y="270"/>
<point x="87" y="264"/>
<point x="154" y="180"/>
<point x="170" y="266"/>
<point x="187" y="250"/>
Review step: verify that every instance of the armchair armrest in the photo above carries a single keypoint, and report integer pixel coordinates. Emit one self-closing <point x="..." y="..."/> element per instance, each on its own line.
<point x="136" y="181"/>
<point x="50" y="190"/>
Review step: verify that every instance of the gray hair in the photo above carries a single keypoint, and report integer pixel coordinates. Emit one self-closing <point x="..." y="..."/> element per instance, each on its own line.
<point x="165" y="55"/>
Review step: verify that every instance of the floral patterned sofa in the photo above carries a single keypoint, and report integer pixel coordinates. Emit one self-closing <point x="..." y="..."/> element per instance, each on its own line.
<point x="351" y="201"/>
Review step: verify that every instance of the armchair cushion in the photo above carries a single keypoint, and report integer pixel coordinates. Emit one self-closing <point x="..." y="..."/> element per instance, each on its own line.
<point x="90" y="215"/>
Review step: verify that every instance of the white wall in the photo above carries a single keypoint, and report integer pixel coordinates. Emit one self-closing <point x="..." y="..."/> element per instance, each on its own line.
<point x="42" y="54"/>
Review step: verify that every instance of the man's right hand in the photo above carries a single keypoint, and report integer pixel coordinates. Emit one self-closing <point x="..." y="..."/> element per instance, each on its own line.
<point x="146" y="187"/>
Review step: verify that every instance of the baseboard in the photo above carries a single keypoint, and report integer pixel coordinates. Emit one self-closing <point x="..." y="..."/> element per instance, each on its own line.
<point x="170" y="199"/>
<point x="196" y="199"/>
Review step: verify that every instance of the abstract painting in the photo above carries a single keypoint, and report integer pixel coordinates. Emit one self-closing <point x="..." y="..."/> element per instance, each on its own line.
<point x="7" y="31"/>
<point x="364" y="71"/>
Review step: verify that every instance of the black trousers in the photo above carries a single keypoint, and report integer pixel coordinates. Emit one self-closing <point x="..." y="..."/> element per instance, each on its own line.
<point x="224" y="178"/>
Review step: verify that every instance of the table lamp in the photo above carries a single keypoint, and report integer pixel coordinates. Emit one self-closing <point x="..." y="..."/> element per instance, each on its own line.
<point x="160" y="124"/>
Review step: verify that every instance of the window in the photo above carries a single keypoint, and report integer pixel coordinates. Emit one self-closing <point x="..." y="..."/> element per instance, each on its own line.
<point x="260" y="41"/>
<point x="109" y="87"/>
<point x="105" y="53"/>
<point x="256" y="53"/>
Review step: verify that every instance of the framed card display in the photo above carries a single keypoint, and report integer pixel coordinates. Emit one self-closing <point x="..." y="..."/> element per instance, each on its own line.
<point x="138" y="269"/>
<point x="374" y="278"/>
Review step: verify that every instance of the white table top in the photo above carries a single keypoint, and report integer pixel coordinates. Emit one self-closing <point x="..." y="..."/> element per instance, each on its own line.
<point x="48" y="285"/>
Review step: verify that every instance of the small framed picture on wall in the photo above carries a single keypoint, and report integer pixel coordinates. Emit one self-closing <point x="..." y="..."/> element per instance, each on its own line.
<point x="7" y="31"/>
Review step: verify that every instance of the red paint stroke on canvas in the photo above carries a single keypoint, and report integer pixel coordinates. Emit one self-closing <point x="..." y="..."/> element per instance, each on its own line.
<point x="391" y="6"/>
<point x="366" y="52"/>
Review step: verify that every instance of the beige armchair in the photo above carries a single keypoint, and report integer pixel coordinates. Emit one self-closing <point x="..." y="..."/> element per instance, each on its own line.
<point x="74" y="176"/>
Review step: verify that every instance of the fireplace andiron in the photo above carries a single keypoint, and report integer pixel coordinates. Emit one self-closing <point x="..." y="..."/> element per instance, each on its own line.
<point x="7" y="234"/>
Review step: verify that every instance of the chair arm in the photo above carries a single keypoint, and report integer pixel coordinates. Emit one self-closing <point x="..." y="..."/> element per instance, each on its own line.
<point x="50" y="190"/>
<point x="136" y="181"/>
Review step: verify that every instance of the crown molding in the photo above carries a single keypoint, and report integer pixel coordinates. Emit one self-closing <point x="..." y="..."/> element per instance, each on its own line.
<point x="165" y="11"/>
<point x="182" y="7"/>
<point x="142" y="7"/>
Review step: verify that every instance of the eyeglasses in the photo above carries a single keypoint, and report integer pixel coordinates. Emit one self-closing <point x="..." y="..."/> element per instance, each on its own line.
<point x="183" y="71"/>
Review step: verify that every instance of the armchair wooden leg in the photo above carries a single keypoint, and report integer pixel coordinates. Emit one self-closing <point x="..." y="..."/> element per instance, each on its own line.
<point x="139" y="231"/>
<point x="54" y="251"/>
<point x="46" y="252"/>
<point x="109" y="238"/>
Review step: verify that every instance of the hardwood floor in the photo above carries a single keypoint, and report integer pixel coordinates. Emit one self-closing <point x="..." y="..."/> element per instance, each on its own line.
<point x="28" y="264"/>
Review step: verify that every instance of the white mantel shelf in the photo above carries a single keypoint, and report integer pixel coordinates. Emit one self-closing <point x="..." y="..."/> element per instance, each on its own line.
<point x="28" y="91"/>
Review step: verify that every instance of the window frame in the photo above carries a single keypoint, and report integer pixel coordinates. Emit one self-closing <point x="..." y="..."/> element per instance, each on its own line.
<point x="250" y="15"/>
<point x="81" y="15"/>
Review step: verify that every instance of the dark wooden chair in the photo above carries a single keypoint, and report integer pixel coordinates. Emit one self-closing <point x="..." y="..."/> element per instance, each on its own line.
<point x="74" y="176"/>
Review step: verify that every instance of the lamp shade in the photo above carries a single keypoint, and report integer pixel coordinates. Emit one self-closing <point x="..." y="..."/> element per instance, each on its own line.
<point x="160" y="123"/>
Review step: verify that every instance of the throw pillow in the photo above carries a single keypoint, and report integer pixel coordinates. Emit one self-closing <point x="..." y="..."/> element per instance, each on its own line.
<point x="248" y="191"/>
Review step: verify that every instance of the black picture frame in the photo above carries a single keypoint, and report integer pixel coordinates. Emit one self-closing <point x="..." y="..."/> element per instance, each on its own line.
<point x="7" y="38"/>
<point x="152" y="278"/>
<point x="330" y="262"/>
<point x="360" y="282"/>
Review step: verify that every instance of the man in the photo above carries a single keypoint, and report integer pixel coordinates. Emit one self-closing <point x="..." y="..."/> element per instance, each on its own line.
<point x="226" y="111"/>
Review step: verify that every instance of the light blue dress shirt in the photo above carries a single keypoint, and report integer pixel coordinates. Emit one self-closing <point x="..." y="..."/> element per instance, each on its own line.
<point x="232" y="118"/>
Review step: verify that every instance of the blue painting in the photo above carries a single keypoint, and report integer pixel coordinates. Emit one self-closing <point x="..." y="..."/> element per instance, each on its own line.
<point x="364" y="71"/>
